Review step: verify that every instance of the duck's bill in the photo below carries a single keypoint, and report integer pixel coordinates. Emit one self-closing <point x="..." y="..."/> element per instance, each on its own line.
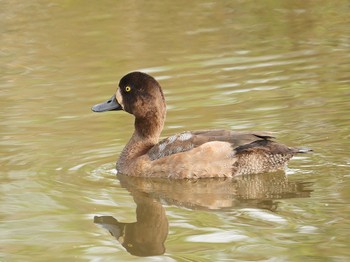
<point x="109" y="105"/>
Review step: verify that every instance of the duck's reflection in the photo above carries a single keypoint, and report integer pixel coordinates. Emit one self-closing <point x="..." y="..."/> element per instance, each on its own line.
<point x="147" y="235"/>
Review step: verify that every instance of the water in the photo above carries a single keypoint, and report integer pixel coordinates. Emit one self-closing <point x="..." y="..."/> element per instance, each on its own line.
<point x="274" y="65"/>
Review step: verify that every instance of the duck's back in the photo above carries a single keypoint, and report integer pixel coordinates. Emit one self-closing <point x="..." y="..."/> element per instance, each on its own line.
<point x="218" y="153"/>
<point x="188" y="140"/>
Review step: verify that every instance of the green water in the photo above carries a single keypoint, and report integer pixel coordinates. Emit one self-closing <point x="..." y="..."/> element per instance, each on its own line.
<point x="243" y="65"/>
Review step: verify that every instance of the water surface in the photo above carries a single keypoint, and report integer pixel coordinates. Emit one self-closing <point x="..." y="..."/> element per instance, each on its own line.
<point x="278" y="66"/>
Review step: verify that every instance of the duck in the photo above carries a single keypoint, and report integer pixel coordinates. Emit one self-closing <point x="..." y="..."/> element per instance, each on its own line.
<point x="190" y="154"/>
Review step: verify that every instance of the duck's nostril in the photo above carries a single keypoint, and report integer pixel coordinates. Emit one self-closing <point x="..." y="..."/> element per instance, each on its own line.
<point x="109" y="101"/>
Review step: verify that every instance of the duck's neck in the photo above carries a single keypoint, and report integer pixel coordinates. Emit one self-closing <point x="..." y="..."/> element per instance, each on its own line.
<point x="146" y="134"/>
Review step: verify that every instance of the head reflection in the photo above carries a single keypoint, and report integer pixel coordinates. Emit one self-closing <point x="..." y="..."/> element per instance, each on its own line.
<point x="147" y="235"/>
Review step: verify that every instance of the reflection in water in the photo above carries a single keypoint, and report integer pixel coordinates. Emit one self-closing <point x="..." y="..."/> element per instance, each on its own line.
<point x="147" y="235"/>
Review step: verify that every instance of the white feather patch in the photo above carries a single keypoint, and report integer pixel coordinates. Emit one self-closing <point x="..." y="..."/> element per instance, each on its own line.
<point x="185" y="136"/>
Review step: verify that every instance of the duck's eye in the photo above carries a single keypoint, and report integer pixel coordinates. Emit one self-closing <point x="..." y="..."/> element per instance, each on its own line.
<point x="127" y="89"/>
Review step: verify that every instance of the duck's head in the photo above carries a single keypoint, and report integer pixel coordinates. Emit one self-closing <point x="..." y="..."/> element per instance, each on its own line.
<point x="138" y="94"/>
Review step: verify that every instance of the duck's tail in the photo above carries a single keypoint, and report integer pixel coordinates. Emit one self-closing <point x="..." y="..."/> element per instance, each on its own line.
<point x="263" y="156"/>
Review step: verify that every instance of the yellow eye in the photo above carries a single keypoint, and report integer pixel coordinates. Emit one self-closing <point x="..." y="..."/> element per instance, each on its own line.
<point x="128" y="89"/>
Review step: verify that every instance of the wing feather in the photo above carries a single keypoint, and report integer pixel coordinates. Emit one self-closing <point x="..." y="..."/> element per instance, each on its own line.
<point x="186" y="141"/>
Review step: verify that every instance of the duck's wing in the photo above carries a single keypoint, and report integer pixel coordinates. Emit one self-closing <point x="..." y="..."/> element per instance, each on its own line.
<point x="188" y="140"/>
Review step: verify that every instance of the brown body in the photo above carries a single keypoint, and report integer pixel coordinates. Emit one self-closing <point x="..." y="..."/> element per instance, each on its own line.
<point x="199" y="154"/>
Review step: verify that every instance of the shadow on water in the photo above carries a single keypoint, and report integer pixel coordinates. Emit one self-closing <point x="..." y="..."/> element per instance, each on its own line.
<point x="147" y="235"/>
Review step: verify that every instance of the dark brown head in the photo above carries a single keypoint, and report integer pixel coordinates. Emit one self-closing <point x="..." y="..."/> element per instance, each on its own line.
<point x="138" y="94"/>
<point x="141" y="95"/>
